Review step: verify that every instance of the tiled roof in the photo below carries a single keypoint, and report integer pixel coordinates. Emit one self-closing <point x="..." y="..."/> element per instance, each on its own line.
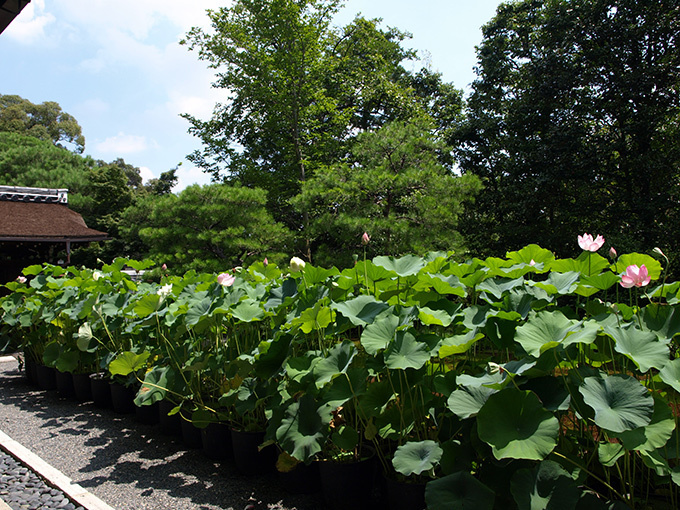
<point x="31" y="221"/>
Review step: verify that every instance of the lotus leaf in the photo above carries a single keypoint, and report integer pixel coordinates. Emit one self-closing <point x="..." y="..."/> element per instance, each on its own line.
<point x="515" y="425"/>
<point x="619" y="401"/>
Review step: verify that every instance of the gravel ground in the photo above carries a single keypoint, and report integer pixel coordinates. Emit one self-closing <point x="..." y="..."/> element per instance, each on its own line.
<point x="128" y="465"/>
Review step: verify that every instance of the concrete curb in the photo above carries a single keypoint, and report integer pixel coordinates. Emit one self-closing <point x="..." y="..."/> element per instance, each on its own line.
<point x="54" y="477"/>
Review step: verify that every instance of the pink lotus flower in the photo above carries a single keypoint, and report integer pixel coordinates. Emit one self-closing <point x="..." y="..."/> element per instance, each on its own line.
<point x="164" y="267"/>
<point x="365" y="239"/>
<point x="635" y="277"/>
<point x="226" y="279"/>
<point x="21" y="279"/>
<point x="587" y="243"/>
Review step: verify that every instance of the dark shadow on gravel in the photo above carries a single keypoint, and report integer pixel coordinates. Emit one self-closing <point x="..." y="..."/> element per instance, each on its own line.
<point x="140" y="456"/>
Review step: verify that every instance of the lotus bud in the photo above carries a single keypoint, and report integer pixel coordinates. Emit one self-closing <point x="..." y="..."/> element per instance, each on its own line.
<point x="296" y="264"/>
<point x="21" y="279"/>
<point x="96" y="275"/>
<point x="494" y="368"/>
<point x="612" y="253"/>
<point x="164" y="267"/>
<point x="532" y="263"/>
<point x="265" y="262"/>
<point x="658" y="251"/>
<point x="365" y="239"/>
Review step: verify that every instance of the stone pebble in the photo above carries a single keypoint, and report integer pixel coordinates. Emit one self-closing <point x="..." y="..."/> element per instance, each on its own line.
<point x="22" y="489"/>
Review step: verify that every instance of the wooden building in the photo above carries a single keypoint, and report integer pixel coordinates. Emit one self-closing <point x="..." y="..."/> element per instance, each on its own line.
<point x="37" y="226"/>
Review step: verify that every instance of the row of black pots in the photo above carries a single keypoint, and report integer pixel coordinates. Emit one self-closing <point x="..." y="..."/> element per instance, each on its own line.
<point x="344" y="485"/>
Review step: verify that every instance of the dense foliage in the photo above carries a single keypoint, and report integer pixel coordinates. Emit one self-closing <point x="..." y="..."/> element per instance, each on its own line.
<point x="527" y="381"/>
<point x="573" y="124"/>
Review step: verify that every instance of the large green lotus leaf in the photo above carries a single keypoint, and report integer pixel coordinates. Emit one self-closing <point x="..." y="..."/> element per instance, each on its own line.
<point x="609" y="453"/>
<point x="551" y="391"/>
<point x="304" y="428"/>
<point x="67" y="361"/>
<point x="379" y="334"/>
<point x="498" y="286"/>
<point x="440" y="313"/>
<point x="656" y="462"/>
<point x="620" y="402"/>
<point x="587" y="263"/>
<point x="559" y="283"/>
<point x="314" y="318"/>
<point x="155" y="386"/>
<point x="314" y="275"/>
<point x="529" y="253"/>
<point x="662" y="320"/>
<point x="466" y="401"/>
<point x="361" y="310"/>
<point x="147" y="305"/>
<point x="444" y="285"/>
<point x="474" y="279"/>
<point x="522" y="300"/>
<point x="273" y="355"/>
<point x="459" y="344"/>
<point x="51" y="353"/>
<point x="475" y="316"/>
<point x="670" y="374"/>
<point x="544" y="331"/>
<point x="337" y="362"/>
<point x="585" y="334"/>
<point x="639" y="259"/>
<point x="198" y="311"/>
<point x="516" y="426"/>
<point x="487" y="379"/>
<point x="602" y="281"/>
<point x="406" y="352"/>
<point x="652" y="436"/>
<point x="376" y="399"/>
<point x="345" y="387"/>
<point x="128" y="362"/>
<point x="404" y="266"/>
<point x="643" y="347"/>
<point x="248" y="310"/>
<point x="283" y="295"/>
<point x="413" y="458"/>
<point x="458" y="491"/>
<point x="546" y="486"/>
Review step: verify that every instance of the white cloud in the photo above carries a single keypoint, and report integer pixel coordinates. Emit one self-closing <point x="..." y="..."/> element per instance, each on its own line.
<point x="190" y="175"/>
<point x="123" y="144"/>
<point x="29" y="26"/>
<point x="146" y="173"/>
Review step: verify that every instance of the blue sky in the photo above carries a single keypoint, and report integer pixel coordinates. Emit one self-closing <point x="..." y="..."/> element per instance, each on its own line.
<point x="118" y="69"/>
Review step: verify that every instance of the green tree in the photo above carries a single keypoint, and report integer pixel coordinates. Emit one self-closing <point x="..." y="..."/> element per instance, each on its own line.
<point x="299" y="93"/>
<point x="212" y="228"/>
<point x="395" y="189"/>
<point x="572" y="125"/>
<point x="45" y="121"/>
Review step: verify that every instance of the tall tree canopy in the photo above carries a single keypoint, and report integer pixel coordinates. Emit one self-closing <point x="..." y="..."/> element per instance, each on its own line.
<point x="573" y="125"/>
<point x="45" y="121"/>
<point x="210" y="228"/>
<point x="394" y="188"/>
<point x="299" y="93"/>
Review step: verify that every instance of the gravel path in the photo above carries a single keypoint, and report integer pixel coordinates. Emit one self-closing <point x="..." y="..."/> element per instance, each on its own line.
<point x="128" y="465"/>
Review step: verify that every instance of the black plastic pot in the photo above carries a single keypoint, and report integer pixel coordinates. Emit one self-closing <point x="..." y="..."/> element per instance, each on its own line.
<point x="122" y="398"/>
<point x="101" y="392"/>
<point x="82" y="387"/>
<point x="31" y="370"/>
<point x="348" y="484"/>
<point x="171" y="425"/>
<point x="47" y="379"/>
<point x="148" y="415"/>
<point x="216" y="438"/>
<point x="405" y="496"/>
<point x="64" y="384"/>
<point x="304" y="479"/>
<point x="249" y="459"/>
<point x="191" y="436"/>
